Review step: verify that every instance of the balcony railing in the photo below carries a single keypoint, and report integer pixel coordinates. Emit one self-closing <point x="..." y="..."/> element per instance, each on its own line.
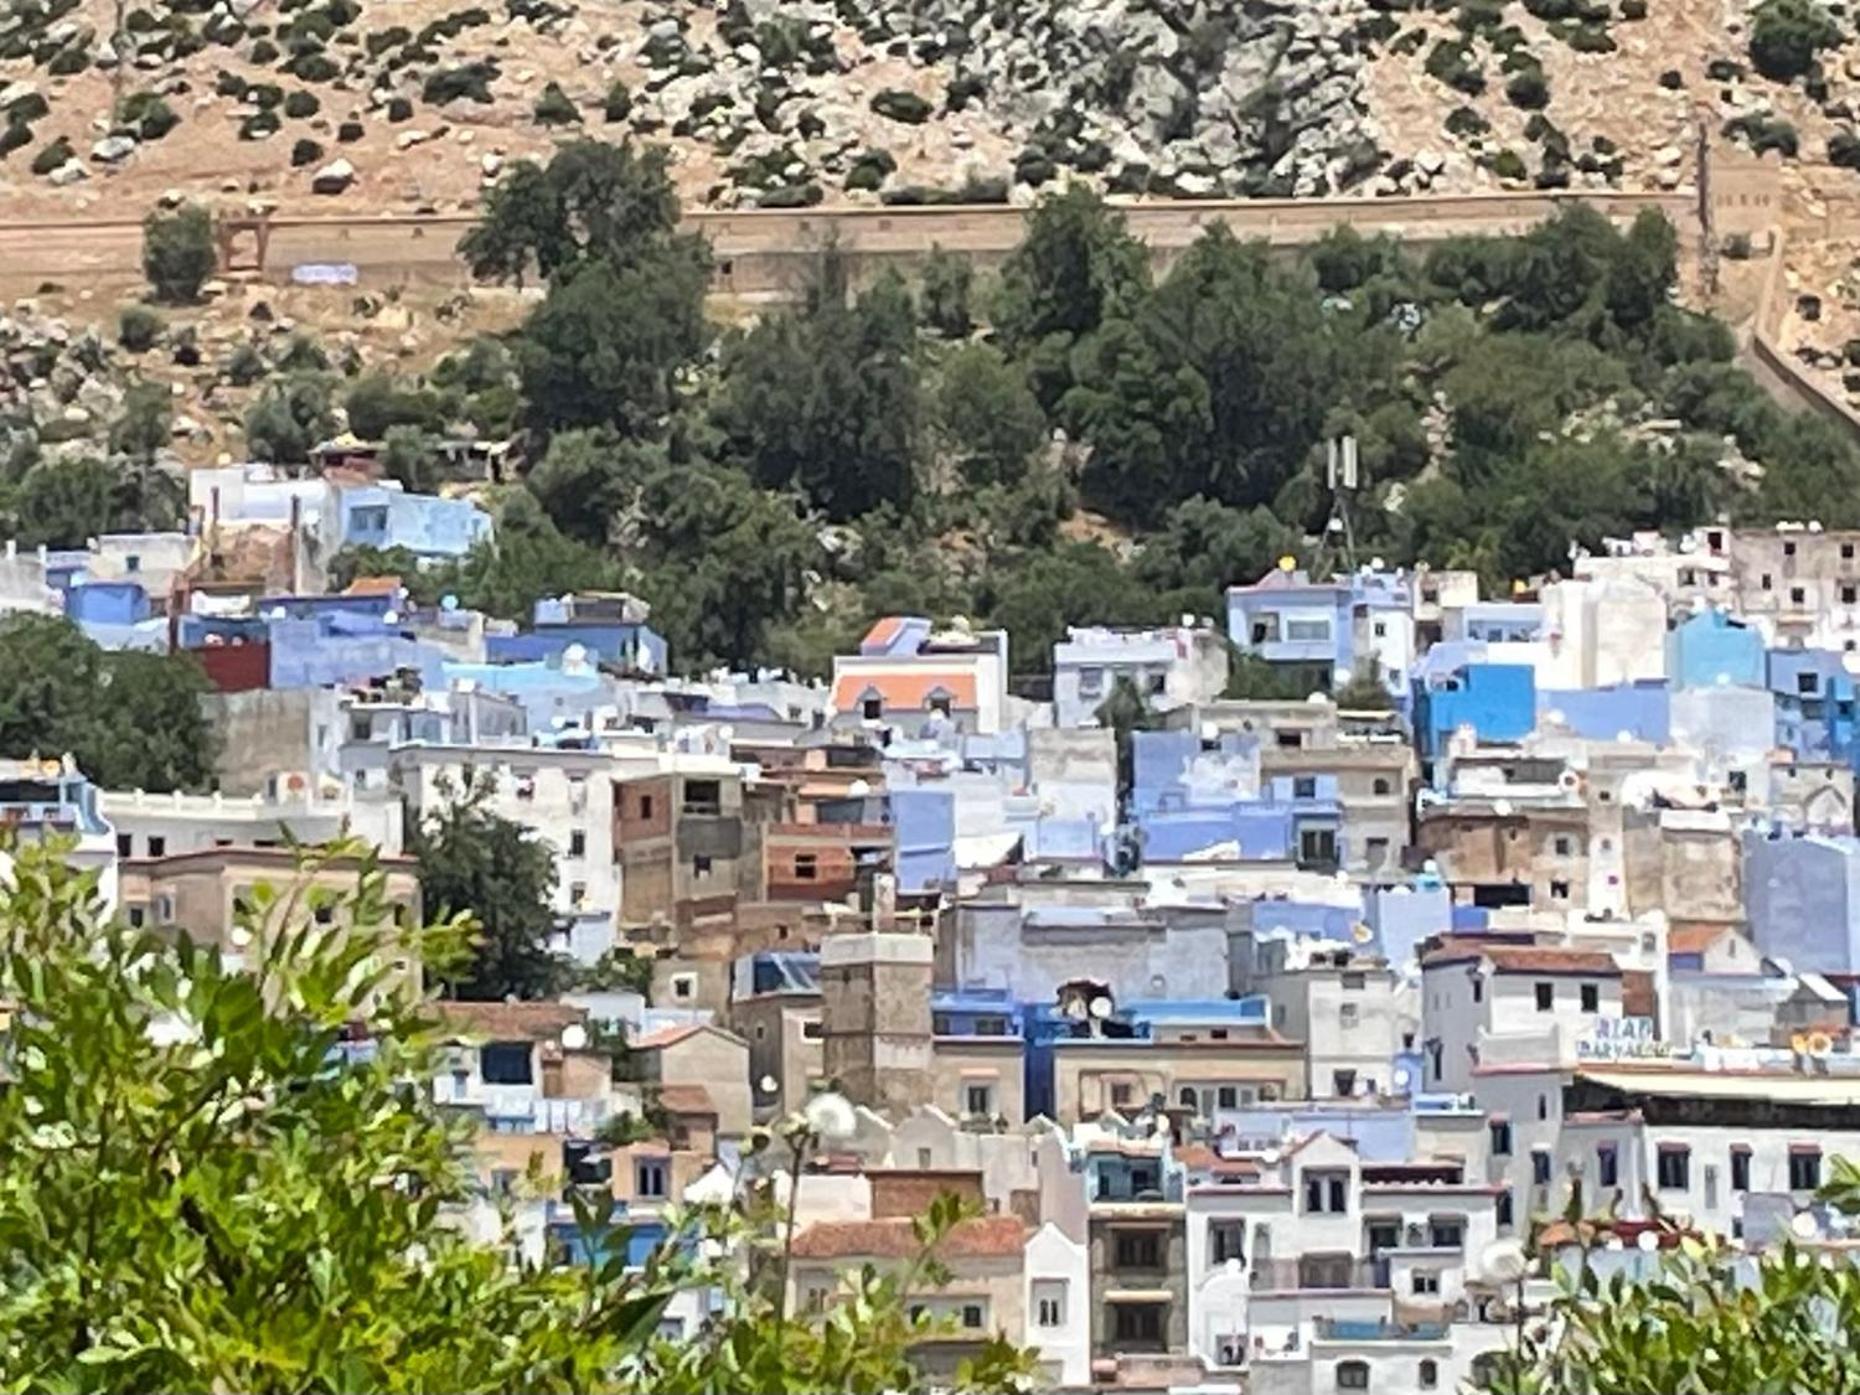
<point x="1327" y="1329"/>
<point x="1317" y="1273"/>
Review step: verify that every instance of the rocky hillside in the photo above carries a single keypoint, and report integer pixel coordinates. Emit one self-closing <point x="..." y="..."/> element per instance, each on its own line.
<point x="105" y="104"/>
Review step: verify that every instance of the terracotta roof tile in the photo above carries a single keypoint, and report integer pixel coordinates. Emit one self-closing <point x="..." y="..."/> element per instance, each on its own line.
<point x="686" y="1099"/>
<point x="1694" y="939"/>
<point x="1527" y="959"/>
<point x="510" y="1021"/>
<point x="902" y="690"/>
<point x="987" y="1237"/>
<point x="666" y="1036"/>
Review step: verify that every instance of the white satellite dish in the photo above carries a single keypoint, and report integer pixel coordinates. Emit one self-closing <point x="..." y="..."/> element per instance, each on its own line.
<point x="1101" y="1007"/>
<point x="574" y="1037"/>
<point x="769" y="1085"/>
<point x="1402" y="1077"/>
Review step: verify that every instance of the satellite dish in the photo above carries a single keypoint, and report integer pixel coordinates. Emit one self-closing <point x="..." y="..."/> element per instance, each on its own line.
<point x="448" y="602"/>
<point x="1101" y="1007"/>
<point x="1270" y="1157"/>
<point x="1648" y="1241"/>
<point x="574" y="1037"/>
<point x="769" y="1085"/>
<point x="1402" y="1077"/>
<point x="1361" y="933"/>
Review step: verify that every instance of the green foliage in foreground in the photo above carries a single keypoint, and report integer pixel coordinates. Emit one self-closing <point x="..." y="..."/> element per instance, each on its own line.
<point x="1709" y="1318"/>
<point x="201" y="1188"/>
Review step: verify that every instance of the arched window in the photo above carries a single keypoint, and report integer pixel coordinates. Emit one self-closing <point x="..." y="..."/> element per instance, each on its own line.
<point x="1430" y="1374"/>
<point x="1381" y="786"/>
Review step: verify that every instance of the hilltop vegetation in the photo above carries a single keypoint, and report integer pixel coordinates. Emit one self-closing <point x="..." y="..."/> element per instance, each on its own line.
<point x="1079" y="440"/>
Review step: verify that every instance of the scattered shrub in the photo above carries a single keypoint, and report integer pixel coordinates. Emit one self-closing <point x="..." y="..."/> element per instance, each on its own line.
<point x="300" y="105"/>
<point x="1528" y="91"/>
<point x="177" y="252"/>
<point x="554" y="108"/>
<point x="137" y="328"/>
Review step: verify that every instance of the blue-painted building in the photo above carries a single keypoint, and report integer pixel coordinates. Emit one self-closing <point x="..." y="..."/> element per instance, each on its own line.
<point x="1287" y="618"/>
<point x="1814" y="695"/>
<point x="1500" y="622"/>
<point x="925" y="820"/>
<point x="116" y="615"/>
<point x="1802" y="899"/>
<point x="1642" y="711"/>
<point x="1712" y="650"/>
<point x="383" y="515"/>
<point x="1498" y="701"/>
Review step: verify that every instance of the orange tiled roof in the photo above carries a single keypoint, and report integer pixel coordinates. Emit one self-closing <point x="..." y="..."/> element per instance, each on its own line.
<point x="510" y="1021"/>
<point x="986" y="1237"/>
<point x="883" y="631"/>
<point x="667" y="1036"/>
<point x="686" y="1099"/>
<point x="901" y="689"/>
<point x="373" y="586"/>
<point x="1694" y="939"/>
<point x="1527" y="959"/>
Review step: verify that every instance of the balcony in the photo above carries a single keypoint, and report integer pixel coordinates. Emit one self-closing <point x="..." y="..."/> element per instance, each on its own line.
<point x="1319" y="1273"/>
<point x="1376" y="1330"/>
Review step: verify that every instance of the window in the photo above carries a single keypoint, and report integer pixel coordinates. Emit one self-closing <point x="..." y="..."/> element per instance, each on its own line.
<point x="1500" y="1130"/>
<point x="1326" y="1192"/>
<point x="1346" y="1015"/>
<point x="1446" y="1232"/>
<point x="1307" y="631"/>
<point x="1426" y="1281"/>
<point x="1546" y="996"/>
<point x="1304" y="787"/>
<point x="649" y="1177"/>
<point x="1120" y="1095"/>
<point x="806" y="867"/>
<point x="872" y="709"/>
<point x="1607" y="1166"/>
<point x="1427" y="1375"/>
<point x="1317" y="846"/>
<point x="1049" y="1302"/>
<point x="526" y="785"/>
<point x="1352" y="1375"/>
<point x="684" y="985"/>
<point x="164" y="909"/>
<point x="505" y="1063"/>
<point x="1559" y="889"/>
<point x="1591" y="997"/>
<point x="1503" y="1209"/>
<point x="1563" y="844"/>
<point x="811" y="1031"/>
<point x="1847" y="552"/>
<point x="1159" y="683"/>
<point x="1091" y="681"/>
<point x="645" y="806"/>
<point x="979" y="1100"/>
<point x="577" y="894"/>
<point x="1849" y="595"/>
<point x="1137" y="1322"/>
<point x="1674" y="1167"/>
<point x="1805" y="684"/>
<point x="1765" y="581"/>
<point x="1227" y="1240"/>
<point x="1343" y="1083"/>
<point x="1788" y="549"/>
<point x="1543" y="1107"/>
<point x="1381" y="785"/>
<point x="158" y="845"/>
<point x="1797" y="595"/>
<point x="1740" y="1169"/>
<point x="577" y="843"/>
<point x="972" y="1315"/>
<point x="703" y="797"/>
<point x="1478" y="987"/>
<point x="125" y="845"/>
<point x="1804" y="1169"/>
<point x="700" y="864"/>
<point x="1138" y="1249"/>
<point x="1376" y="852"/>
<point x="1540" y="1166"/>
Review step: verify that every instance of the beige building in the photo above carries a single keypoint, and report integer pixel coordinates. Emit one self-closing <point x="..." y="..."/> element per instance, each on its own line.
<point x="1099" y="1075"/>
<point x="206" y="892"/>
<point x="875" y="1007"/>
<point x="1373" y="783"/>
<point x="686" y="1068"/>
<point x="978" y="1078"/>
<point x="986" y="1293"/>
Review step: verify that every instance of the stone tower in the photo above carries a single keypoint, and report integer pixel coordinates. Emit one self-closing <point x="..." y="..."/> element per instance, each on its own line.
<point x="875" y="1017"/>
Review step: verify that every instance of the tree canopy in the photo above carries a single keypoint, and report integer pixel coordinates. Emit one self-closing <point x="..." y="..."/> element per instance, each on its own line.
<point x="130" y="720"/>
<point x="226" y="1177"/>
